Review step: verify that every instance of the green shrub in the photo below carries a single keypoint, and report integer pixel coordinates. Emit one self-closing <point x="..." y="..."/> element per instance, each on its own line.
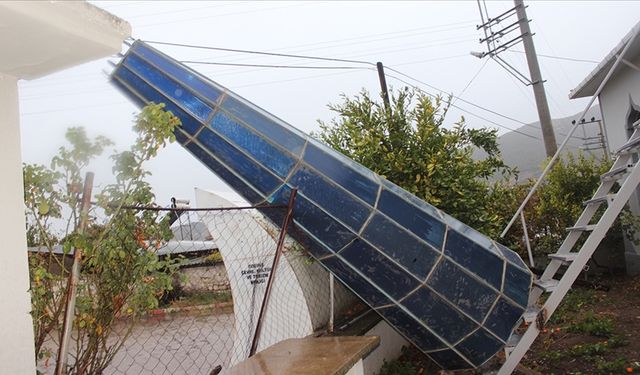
<point x="609" y="367"/>
<point x="594" y="325"/>
<point x="397" y="367"/>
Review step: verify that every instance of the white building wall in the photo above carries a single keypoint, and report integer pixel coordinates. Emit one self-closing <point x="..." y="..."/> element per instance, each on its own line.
<point x="617" y="99"/>
<point x="390" y="348"/>
<point x="16" y="328"/>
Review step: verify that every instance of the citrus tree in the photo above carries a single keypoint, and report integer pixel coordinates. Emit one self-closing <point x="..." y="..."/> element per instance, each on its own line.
<point x="558" y="202"/>
<point x="122" y="277"/>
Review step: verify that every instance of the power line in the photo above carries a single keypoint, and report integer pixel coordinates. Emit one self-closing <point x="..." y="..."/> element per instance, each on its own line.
<point x="191" y="19"/>
<point x="476" y="105"/>
<point x="240" y="71"/>
<point x="554" y="102"/>
<point x="417" y="46"/>
<point x="471" y="80"/>
<point x="174" y="11"/>
<point x="376" y="52"/>
<point x="330" y="44"/>
<point x="561" y="57"/>
<point x="336" y="43"/>
<point x="434" y="59"/>
<point x="459" y="98"/>
<point x="466" y="110"/>
<point x="295" y="79"/>
<point x="273" y="66"/>
<point x="260" y="52"/>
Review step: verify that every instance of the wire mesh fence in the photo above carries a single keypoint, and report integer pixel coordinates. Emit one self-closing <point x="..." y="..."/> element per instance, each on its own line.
<point x="218" y="264"/>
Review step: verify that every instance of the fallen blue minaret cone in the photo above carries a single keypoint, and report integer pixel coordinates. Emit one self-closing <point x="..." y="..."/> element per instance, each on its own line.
<point x="452" y="292"/>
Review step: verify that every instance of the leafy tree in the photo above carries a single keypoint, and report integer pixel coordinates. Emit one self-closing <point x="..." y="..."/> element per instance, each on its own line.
<point x="559" y="200"/>
<point x="122" y="276"/>
<point x="557" y="204"/>
<point x="410" y="146"/>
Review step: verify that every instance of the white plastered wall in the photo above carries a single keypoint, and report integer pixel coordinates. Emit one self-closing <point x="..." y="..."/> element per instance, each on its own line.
<point x="37" y="38"/>
<point x="618" y="97"/>
<point x="615" y="99"/>
<point x="16" y="330"/>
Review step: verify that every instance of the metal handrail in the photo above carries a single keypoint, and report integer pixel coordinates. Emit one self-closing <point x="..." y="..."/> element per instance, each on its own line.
<point x="546" y="170"/>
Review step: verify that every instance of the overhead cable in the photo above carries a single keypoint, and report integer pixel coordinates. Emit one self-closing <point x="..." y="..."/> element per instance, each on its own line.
<point x="562" y="58"/>
<point x="260" y="52"/>
<point x="466" y="110"/>
<point x="459" y="98"/>
<point x="273" y="66"/>
<point x="474" y="105"/>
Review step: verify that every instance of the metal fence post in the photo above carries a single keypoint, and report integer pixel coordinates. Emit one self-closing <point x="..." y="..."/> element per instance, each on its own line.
<point x="67" y="326"/>
<point x="276" y="258"/>
<point x="331" y="307"/>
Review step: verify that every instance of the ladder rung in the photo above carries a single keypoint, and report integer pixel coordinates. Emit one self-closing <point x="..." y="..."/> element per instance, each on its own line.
<point x="565" y="258"/>
<point x="583" y="228"/>
<point x="614" y="174"/>
<point x="546" y="285"/>
<point x="605" y="198"/>
<point x="629" y="147"/>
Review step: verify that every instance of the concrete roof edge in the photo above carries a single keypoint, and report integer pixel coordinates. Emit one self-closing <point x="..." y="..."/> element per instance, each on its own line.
<point x="50" y="36"/>
<point x="582" y="90"/>
<point x="81" y="9"/>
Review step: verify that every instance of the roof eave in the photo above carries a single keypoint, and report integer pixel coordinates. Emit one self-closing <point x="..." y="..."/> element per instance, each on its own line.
<point x="590" y="84"/>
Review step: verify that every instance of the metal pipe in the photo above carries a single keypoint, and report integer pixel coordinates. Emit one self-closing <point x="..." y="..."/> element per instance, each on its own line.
<point x="331" y="307"/>
<point x="74" y="277"/>
<point x="195" y="209"/>
<point x="566" y="139"/>
<point x="274" y="266"/>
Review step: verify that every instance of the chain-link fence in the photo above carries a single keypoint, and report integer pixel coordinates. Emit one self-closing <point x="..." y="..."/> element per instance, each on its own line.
<point x="220" y="262"/>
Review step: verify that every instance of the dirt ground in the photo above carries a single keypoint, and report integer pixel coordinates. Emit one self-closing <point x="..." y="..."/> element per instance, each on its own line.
<point x="593" y="332"/>
<point x="596" y="330"/>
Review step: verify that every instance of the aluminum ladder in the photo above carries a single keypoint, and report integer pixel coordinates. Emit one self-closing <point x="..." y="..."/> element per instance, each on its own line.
<point x="626" y="172"/>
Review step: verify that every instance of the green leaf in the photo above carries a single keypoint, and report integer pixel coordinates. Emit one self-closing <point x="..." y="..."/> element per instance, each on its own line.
<point x="43" y="208"/>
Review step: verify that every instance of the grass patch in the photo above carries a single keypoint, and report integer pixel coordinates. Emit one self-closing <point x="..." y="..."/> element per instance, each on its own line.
<point x="574" y="302"/>
<point x="590" y="350"/>
<point x="608" y="367"/>
<point x="553" y="355"/>
<point x="594" y="325"/>
<point x="585" y="351"/>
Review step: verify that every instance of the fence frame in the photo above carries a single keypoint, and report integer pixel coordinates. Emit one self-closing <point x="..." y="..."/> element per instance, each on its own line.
<point x="61" y="360"/>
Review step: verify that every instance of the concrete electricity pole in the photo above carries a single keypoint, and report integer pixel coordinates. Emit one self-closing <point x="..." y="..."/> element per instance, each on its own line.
<point x="536" y="80"/>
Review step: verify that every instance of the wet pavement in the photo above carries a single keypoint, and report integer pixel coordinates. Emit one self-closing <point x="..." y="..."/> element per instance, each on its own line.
<point x="172" y="345"/>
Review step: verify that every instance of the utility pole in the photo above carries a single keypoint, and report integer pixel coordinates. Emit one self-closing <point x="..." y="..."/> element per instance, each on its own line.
<point x="536" y="80"/>
<point x="383" y="86"/>
<point x="496" y="45"/>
